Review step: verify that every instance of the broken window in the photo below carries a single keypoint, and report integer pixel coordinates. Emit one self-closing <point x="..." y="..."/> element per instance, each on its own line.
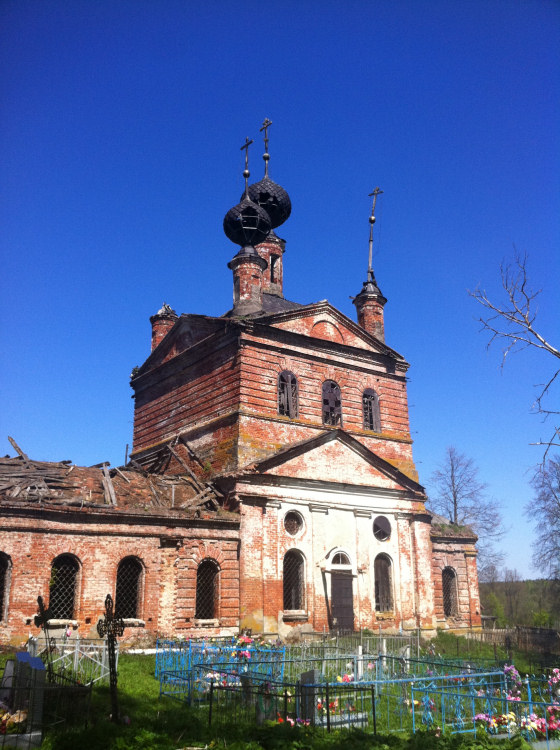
<point x="449" y="586"/>
<point x="287" y="394"/>
<point x="293" y="522"/>
<point x="207" y="594"/>
<point x="293" y="580"/>
<point x="332" y="408"/>
<point x="383" y="584"/>
<point x="370" y="402"/>
<point x="5" y="570"/>
<point x="381" y="528"/>
<point x="62" y="587"/>
<point x="129" y="580"/>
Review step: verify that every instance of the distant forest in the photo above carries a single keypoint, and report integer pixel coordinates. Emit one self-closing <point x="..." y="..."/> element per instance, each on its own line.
<point x="516" y="602"/>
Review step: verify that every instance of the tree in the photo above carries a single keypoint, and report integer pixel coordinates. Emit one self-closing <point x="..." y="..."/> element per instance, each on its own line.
<point x="512" y="589"/>
<point x="544" y="510"/>
<point x="461" y="497"/>
<point x="514" y="322"/>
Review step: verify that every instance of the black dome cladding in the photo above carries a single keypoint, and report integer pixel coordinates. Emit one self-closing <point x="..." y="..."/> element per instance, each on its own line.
<point x="247" y="223"/>
<point x="273" y="199"/>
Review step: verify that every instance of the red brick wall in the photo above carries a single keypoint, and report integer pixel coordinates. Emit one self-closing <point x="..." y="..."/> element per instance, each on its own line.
<point x="191" y="392"/>
<point x="460" y="556"/>
<point x="169" y="578"/>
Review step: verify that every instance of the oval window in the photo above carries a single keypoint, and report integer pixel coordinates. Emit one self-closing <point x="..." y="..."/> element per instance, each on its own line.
<point x="293" y="522"/>
<point x="381" y="528"/>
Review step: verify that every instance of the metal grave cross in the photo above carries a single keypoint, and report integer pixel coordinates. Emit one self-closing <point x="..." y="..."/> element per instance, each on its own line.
<point x="41" y="620"/>
<point x="112" y="627"/>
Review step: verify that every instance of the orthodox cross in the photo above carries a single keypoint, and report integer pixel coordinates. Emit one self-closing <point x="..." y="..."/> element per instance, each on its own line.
<point x="112" y="627"/>
<point x="266" y="156"/>
<point x="41" y="620"/>
<point x="375" y="193"/>
<point x="246" y="173"/>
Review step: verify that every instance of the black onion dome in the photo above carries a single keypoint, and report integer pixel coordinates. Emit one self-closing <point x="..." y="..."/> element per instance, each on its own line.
<point x="273" y="198"/>
<point x="247" y="223"/>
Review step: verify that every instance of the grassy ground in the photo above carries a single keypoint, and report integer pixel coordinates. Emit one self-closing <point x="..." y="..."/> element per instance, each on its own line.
<point x="148" y="722"/>
<point x="452" y="647"/>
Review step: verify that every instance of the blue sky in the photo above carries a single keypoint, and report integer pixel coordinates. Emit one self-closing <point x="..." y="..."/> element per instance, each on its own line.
<point x="122" y="123"/>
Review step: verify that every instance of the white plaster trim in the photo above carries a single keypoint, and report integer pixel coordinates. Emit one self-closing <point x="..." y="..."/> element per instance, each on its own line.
<point x="289" y="615"/>
<point x="62" y="623"/>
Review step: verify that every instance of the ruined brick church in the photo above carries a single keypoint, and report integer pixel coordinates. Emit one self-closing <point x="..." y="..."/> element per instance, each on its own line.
<point x="271" y="484"/>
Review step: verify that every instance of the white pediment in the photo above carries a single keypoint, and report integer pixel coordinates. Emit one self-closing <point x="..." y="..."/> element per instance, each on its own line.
<point x="332" y="459"/>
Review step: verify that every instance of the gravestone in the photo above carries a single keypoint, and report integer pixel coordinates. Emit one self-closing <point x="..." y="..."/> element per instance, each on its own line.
<point x="309" y="681"/>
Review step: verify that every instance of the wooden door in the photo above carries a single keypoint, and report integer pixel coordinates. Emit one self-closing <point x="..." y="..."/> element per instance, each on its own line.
<point x="342" y="600"/>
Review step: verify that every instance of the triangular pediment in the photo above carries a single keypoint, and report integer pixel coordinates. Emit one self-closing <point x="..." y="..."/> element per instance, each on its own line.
<point x="323" y="321"/>
<point x="188" y="330"/>
<point x="336" y="457"/>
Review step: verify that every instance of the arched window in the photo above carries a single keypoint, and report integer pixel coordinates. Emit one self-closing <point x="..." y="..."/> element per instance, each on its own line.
<point x="383" y="584"/>
<point x="62" y="587"/>
<point x="341" y="558"/>
<point x="449" y="587"/>
<point x="293" y="579"/>
<point x="287" y="394"/>
<point x="207" y="590"/>
<point x="5" y="573"/>
<point x="370" y="402"/>
<point x="129" y="588"/>
<point x="332" y="406"/>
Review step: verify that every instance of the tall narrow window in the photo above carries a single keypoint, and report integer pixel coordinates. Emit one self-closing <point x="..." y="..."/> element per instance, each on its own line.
<point x="332" y="407"/>
<point x="274" y="268"/>
<point x="207" y="592"/>
<point x="370" y="402"/>
<point x="5" y="570"/>
<point x="449" y="586"/>
<point x="383" y="584"/>
<point x="287" y="394"/>
<point x="293" y="580"/>
<point x="129" y="580"/>
<point x="62" y="587"/>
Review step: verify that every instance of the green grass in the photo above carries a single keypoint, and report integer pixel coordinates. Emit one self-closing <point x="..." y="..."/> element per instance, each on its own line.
<point x="168" y="725"/>
<point x="451" y="646"/>
<point x="148" y="722"/>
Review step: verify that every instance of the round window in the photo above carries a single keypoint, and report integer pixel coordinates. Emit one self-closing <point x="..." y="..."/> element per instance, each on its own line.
<point x="381" y="528"/>
<point x="293" y="522"/>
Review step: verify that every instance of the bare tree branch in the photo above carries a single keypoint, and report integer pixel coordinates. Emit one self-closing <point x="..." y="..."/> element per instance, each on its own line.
<point x="514" y="323"/>
<point x="544" y="511"/>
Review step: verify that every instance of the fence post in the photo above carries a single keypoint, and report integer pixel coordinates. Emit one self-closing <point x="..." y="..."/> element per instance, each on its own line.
<point x="285" y="704"/>
<point x="328" y="707"/>
<point x="373" y="710"/>
<point x="529" y="696"/>
<point x="211" y="702"/>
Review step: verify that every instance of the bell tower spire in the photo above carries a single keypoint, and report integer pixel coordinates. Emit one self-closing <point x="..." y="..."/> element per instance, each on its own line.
<point x="247" y="224"/>
<point x="370" y="301"/>
<point x="276" y="202"/>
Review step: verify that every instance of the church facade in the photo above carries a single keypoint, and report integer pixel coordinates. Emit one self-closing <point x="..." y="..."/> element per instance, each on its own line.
<point x="271" y="485"/>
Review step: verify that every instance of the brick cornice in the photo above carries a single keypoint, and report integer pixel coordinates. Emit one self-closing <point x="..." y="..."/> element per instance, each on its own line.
<point x="302" y="345"/>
